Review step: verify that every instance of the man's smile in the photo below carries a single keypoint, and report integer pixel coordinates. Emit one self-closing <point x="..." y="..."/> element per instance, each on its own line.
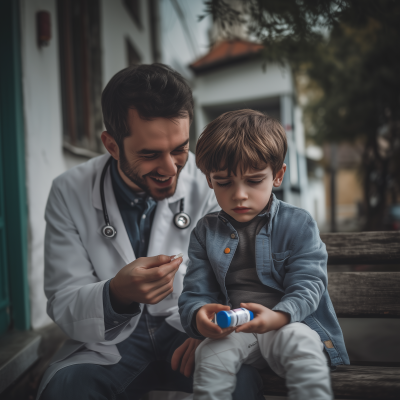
<point x="162" y="182"/>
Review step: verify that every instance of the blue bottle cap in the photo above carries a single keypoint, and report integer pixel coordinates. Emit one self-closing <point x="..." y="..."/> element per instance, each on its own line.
<point x="223" y="319"/>
<point x="251" y="314"/>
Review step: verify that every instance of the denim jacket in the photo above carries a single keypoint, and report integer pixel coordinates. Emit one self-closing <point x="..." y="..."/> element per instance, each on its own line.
<point x="290" y="257"/>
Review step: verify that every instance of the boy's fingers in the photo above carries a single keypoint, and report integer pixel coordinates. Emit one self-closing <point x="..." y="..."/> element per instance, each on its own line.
<point x="214" y="308"/>
<point x="253" y="307"/>
<point x="209" y="326"/>
<point x="213" y="328"/>
<point x="248" y="327"/>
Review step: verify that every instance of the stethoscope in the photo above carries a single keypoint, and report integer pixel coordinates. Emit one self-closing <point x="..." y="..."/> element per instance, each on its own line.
<point x="181" y="219"/>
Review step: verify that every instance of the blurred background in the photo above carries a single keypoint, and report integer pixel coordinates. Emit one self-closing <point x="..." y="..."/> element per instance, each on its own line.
<point x="328" y="72"/>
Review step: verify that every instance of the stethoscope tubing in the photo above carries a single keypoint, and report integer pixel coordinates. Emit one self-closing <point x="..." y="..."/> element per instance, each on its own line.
<point x="181" y="219"/>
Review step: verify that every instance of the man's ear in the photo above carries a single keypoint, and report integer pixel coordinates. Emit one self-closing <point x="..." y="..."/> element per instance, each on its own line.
<point x="110" y="144"/>
<point x="209" y="182"/>
<point x="279" y="176"/>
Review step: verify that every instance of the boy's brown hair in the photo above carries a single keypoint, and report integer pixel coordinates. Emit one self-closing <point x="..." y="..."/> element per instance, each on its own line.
<point x="241" y="139"/>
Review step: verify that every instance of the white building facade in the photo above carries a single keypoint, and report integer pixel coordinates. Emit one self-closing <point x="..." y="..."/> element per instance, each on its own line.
<point x="123" y="27"/>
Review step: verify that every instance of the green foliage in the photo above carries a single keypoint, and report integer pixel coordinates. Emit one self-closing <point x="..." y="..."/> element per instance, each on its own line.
<point x="349" y="51"/>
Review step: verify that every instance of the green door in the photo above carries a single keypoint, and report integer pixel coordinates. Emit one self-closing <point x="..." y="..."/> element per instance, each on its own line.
<point x="14" y="293"/>
<point x="4" y="296"/>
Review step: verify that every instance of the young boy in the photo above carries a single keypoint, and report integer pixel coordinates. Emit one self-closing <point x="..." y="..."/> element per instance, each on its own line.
<point x="261" y="254"/>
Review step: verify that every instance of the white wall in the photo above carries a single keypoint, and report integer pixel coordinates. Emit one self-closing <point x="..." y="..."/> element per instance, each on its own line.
<point x="116" y="24"/>
<point x="45" y="158"/>
<point x="242" y="81"/>
<point x="43" y="138"/>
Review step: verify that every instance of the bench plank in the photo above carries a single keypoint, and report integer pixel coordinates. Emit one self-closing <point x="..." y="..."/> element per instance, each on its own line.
<point x="362" y="247"/>
<point x="348" y="382"/>
<point x="365" y="294"/>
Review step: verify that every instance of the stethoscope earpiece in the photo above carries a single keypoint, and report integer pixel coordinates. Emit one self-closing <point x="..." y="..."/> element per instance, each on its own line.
<point x="181" y="219"/>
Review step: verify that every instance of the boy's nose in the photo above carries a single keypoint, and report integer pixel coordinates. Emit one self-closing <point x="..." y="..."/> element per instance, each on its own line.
<point x="239" y="194"/>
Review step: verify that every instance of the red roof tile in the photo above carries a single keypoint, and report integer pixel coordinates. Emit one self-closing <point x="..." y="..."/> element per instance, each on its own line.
<point x="226" y="52"/>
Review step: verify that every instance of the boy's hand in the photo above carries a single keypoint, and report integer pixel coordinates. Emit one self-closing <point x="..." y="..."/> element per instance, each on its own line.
<point x="206" y="327"/>
<point x="265" y="320"/>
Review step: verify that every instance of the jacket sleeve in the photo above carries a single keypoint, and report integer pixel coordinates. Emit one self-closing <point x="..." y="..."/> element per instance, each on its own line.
<point x="74" y="292"/>
<point x="306" y="278"/>
<point x="200" y="285"/>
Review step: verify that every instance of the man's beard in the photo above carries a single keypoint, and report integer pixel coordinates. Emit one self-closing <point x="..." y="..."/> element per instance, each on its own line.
<point x="132" y="174"/>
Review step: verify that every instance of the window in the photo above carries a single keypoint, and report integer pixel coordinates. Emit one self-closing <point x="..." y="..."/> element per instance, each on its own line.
<point x="132" y="55"/>
<point x="80" y="64"/>
<point x="134" y="10"/>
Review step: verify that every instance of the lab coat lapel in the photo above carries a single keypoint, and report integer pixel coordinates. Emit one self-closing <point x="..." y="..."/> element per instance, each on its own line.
<point x="121" y="241"/>
<point x="163" y="219"/>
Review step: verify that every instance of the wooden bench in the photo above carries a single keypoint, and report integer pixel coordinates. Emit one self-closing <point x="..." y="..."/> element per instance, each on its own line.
<point x="359" y="295"/>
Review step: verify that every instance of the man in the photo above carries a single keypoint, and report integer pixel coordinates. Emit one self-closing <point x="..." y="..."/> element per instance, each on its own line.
<point x="109" y="278"/>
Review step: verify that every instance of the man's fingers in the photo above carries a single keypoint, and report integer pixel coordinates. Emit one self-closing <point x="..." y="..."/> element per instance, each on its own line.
<point x="155" y="261"/>
<point x="189" y="367"/>
<point x="159" y="272"/>
<point x="186" y="357"/>
<point x="154" y="285"/>
<point x="189" y="364"/>
<point x="160" y="294"/>
<point x="178" y="353"/>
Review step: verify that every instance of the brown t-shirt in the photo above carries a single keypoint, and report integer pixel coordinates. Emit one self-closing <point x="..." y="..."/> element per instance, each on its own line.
<point x="242" y="282"/>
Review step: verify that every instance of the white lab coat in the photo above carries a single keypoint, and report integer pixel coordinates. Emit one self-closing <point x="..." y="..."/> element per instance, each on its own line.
<point x="79" y="259"/>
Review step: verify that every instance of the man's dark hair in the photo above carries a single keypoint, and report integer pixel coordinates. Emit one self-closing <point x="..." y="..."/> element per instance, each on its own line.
<point x="155" y="91"/>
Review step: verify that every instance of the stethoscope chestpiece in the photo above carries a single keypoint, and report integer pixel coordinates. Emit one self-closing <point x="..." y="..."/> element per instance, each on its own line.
<point x="181" y="220"/>
<point x="109" y="231"/>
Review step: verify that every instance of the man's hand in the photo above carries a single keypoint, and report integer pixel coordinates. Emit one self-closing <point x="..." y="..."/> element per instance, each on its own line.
<point x="206" y="327"/>
<point x="184" y="356"/>
<point x="265" y="320"/>
<point x="146" y="280"/>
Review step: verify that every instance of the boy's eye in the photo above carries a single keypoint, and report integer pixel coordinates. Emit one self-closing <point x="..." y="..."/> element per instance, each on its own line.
<point x="223" y="184"/>
<point x="256" y="182"/>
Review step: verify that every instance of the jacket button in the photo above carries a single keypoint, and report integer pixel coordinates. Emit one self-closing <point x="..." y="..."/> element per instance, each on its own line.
<point x="233" y="235"/>
<point x="227" y="250"/>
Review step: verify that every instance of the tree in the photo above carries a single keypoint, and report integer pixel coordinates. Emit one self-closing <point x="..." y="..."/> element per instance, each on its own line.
<point x="350" y="51"/>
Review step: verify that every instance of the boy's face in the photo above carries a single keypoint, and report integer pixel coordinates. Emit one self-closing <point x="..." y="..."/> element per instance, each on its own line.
<point x="244" y="196"/>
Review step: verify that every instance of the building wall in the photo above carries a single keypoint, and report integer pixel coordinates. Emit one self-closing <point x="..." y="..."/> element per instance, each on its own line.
<point x="43" y="138"/>
<point x="45" y="158"/>
<point x="117" y="25"/>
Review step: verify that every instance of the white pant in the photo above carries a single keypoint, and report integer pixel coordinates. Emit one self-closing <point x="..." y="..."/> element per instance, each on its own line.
<point x="294" y="352"/>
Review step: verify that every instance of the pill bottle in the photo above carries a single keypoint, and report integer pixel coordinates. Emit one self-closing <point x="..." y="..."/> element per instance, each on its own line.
<point x="236" y="317"/>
